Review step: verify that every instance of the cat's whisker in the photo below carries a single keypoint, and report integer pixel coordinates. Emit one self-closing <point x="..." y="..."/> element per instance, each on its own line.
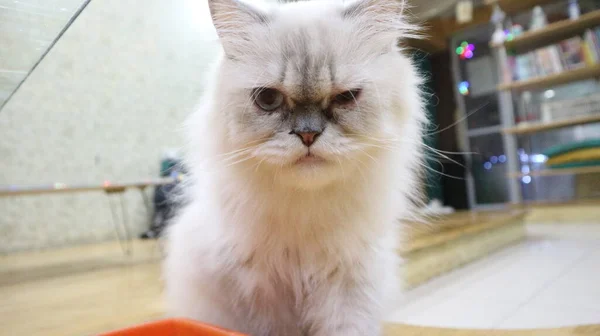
<point x="368" y="155"/>
<point x="239" y="152"/>
<point x="254" y="144"/>
<point x="438" y="172"/>
<point x="337" y="154"/>
<point x="459" y="120"/>
<point x="258" y="164"/>
<point x="360" y="171"/>
<point x="233" y="154"/>
<point x="433" y="150"/>
<point x="277" y="172"/>
<point x="243" y="154"/>
<point x="418" y="162"/>
<point x="363" y="164"/>
<point x="341" y="167"/>
<point x="237" y="162"/>
<point x="393" y="146"/>
<point x="440" y="153"/>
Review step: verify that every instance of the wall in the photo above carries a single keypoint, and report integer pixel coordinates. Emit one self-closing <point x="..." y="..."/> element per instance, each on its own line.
<point x="104" y="104"/>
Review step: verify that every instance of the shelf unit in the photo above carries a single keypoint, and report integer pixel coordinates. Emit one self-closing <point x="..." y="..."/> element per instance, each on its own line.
<point x="564" y="77"/>
<point x="528" y="127"/>
<point x="558" y="203"/>
<point x="558" y="171"/>
<point x="553" y="32"/>
<point x="528" y="41"/>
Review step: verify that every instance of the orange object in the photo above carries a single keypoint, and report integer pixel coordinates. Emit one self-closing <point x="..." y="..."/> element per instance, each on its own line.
<point x="173" y="327"/>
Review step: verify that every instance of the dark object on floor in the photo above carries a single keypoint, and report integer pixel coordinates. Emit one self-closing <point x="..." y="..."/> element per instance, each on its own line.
<point x="167" y="199"/>
<point x="165" y="207"/>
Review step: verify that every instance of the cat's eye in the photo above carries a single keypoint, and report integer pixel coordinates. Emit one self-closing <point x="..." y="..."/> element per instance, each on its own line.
<point x="347" y="97"/>
<point x="268" y="99"/>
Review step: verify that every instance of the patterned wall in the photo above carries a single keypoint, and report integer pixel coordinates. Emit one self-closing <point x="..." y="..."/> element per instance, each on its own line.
<point x="105" y="103"/>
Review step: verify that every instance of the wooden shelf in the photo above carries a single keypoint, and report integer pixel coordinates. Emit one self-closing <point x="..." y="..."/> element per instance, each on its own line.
<point x="528" y="127"/>
<point x="515" y="6"/>
<point x="73" y="188"/>
<point x="559" y="171"/>
<point x="553" y="33"/>
<point x="558" y="203"/>
<point x="565" y="77"/>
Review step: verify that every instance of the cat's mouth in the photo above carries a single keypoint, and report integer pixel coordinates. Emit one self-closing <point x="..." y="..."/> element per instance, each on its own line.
<point x="310" y="159"/>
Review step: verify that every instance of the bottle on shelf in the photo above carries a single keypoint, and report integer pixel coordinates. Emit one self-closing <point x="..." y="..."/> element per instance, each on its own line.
<point x="538" y="19"/>
<point x="574" y="10"/>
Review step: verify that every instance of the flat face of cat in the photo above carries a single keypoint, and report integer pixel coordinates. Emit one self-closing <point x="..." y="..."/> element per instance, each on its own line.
<point x="307" y="87"/>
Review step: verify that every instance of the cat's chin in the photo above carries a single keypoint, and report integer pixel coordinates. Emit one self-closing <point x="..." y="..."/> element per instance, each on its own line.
<point x="310" y="160"/>
<point x="309" y="172"/>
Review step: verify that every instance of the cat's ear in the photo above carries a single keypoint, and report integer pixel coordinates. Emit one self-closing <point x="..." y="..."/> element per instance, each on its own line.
<point x="380" y="18"/>
<point x="234" y="20"/>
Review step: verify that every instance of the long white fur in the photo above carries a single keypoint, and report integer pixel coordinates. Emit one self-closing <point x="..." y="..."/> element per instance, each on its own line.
<point x="267" y="247"/>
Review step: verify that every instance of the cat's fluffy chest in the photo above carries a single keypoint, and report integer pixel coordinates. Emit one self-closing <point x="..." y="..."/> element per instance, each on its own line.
<point x="279" y="273"/>
<point x="285" y="243"/>
<point x="282" y="274"/>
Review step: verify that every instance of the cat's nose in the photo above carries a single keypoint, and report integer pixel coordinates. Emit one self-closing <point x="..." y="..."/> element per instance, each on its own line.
<point x="308" y="138"/>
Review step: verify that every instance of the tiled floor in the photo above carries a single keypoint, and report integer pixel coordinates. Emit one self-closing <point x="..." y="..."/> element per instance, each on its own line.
<point x="549" y="281"/>
<point x="543" y="282"/>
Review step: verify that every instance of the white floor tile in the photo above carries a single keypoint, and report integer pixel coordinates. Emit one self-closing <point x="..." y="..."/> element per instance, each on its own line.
<point x="463" y="313"/>
<point x="434" y="292"/>
<point x="532" y="267"/>
<point x="586" y="231"/>
<point x="578" y="287"/>
<point x="538" y="283"/>
<point x="540" y="316"/>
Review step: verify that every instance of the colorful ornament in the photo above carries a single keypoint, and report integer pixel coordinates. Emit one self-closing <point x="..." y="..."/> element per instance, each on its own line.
<point x="463" y="88"/>
<point x="465" y="50"/>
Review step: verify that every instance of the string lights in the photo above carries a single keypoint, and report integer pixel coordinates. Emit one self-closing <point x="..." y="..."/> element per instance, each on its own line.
<point x="465" y="50"/>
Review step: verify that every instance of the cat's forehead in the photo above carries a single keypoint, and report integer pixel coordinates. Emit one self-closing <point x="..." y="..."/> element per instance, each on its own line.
<point x="308" y="54"/>
<point x="307" y="63"/>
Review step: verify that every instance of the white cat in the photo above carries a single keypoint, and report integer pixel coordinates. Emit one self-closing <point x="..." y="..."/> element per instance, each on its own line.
<point x="303" y="156"/>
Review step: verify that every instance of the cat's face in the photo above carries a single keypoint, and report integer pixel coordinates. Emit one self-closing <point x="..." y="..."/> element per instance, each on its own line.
<point x="305" y="87"/>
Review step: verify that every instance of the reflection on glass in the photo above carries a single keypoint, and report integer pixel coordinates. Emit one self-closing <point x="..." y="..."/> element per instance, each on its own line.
<point x="554" y="188"/>
<point x="489" y="169"/>
<point x="27" y="28"/>
<point x="478" y="79"/>
<point x="482" y="111"/>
